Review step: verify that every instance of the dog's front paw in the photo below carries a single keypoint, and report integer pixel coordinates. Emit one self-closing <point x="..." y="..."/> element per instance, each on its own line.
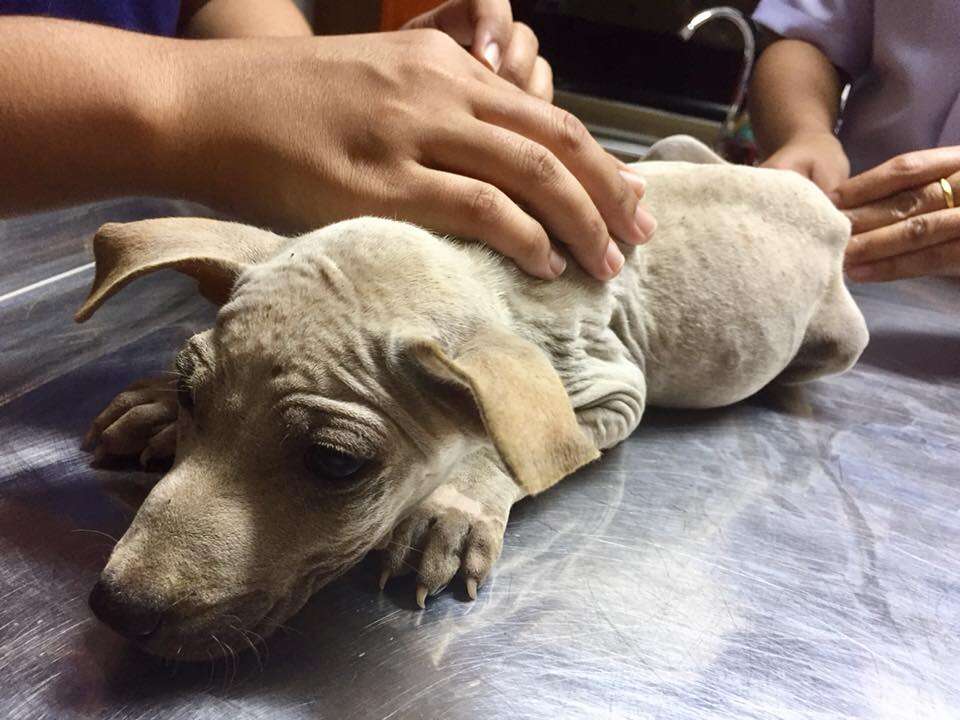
<point x="447" y="532"/>
<point x="141" y="421"/>
<point x="454" y="528"/>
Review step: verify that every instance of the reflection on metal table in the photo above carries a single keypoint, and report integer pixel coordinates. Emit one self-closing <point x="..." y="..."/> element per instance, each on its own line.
<point x="794" y="556"/>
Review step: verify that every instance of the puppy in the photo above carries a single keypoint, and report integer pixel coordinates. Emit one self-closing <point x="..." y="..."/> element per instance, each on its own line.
<point x="372" y="385"/>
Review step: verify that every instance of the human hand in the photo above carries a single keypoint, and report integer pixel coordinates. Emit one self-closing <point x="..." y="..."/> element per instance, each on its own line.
<point x="818" y="156"/>
<point x="902" y="224"/>
<point x="486" y="27"/>
<point x="295" y="134"/>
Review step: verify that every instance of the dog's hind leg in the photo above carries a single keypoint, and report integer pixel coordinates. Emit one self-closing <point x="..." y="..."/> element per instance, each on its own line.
<point x="834" y="340"/>
<point x="140" y="422"/>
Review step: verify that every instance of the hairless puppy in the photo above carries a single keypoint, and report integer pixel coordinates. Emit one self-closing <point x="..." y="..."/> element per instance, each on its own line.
<point x="370" y="385"/>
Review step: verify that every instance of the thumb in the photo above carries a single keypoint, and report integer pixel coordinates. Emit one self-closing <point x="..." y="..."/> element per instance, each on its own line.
<point x="493" y="28"/>
<point x="483" y="25"/>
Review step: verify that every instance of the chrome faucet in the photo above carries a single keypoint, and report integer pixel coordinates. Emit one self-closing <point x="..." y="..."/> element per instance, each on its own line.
<point x="749" y="52"/>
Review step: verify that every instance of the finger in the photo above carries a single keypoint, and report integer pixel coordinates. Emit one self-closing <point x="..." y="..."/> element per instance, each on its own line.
<point x="132" y="430"/>
<point x="493" y="23"/>
<point x="826" y="177"/>
<point x="915" y="201"/>
<point x="471" y="209"/>
<point x="903" y="237"/>
<point x="895" y="175"/>
<point x="520" y="56"/>
<point x="637" y="182"/>
<point x="533" y="176"/>
<point x="483" y="25"/>
<point x="942" y="259"/>
<point x="453" y="17"/>
<point x="540" y="83"/>
<point x="567" y="138"/>
<point x="633" y="174"/>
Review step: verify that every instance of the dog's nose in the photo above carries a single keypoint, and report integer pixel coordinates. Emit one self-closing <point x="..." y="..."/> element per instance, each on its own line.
<point x="130" y="618"/>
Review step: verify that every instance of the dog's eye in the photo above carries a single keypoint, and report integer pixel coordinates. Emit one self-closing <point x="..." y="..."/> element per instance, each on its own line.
<point x="326" y="462"/>
<point x="184" y="394"/>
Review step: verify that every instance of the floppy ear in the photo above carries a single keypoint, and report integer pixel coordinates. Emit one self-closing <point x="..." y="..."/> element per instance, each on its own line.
<point x="211" y="251"/>
<point x="522" y="403"/>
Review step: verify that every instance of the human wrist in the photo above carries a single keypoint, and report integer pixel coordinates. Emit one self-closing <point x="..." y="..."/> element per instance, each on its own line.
<point x="151" y="121"/>
<point x="182" y="148"/>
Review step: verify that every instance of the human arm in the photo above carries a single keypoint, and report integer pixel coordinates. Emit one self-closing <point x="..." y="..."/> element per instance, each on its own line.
<point x="297" y="133"/>
<point x="241" y="18"/>
<point x="794" y="103"/>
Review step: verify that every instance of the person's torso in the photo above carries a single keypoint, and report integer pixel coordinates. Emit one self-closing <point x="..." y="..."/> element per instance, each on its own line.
<point x="910" y="97"/>
<point x="156" y="17"/>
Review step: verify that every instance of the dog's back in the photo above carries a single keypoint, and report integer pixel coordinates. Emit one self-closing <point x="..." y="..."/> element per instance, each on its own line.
<point x="742" y="283"/>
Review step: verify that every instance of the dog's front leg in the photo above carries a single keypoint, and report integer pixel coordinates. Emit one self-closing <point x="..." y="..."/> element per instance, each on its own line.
<point x="139" y="422"/>
<point x="459" y="526"/>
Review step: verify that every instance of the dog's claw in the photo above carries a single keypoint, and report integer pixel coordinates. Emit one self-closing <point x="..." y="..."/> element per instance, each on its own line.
<point x="472" y="588"/>
<point x="384" y="577"/>
<point x="88" y="440"/>
<point x="146" y="456"/>
<point x="422" y="597"/>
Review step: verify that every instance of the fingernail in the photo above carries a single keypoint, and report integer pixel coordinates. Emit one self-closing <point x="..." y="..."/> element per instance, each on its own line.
<point x="557" y="263"/>
<point x="646" y="223"/>
<point x="491" y="54"/>
<point x="834" y="198"/>
<point x="860" y="273"/>
<point x="614" y="258"/>
<point x="637" y="182"/>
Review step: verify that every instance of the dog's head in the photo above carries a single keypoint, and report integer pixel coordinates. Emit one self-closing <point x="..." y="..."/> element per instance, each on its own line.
<point x="349" y="370"/>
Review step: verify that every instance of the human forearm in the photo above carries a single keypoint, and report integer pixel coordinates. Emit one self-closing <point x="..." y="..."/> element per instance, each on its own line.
<point x="795" y="91"/>
<point x="295" y="133"/>
<point x="242" y="18"/>
<point x="81" y="112"/>
<point x="794" y="101"/>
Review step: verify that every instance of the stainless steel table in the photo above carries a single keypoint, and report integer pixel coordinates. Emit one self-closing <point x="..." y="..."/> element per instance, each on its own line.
<point x="795" y="556"/>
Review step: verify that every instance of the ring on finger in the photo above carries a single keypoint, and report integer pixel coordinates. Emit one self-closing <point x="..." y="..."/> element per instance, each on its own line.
<point x="947" y="192"/>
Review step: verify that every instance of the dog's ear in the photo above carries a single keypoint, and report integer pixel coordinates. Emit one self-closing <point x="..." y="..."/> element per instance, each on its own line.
<point x="521" y="401"/>
<point x="211" y="251"/>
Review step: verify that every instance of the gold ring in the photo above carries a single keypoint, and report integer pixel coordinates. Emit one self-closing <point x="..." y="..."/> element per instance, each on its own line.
<point x="947" y="192"/>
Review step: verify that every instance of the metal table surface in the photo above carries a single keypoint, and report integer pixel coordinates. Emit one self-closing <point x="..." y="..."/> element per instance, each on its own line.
<point x="794" y="556"/>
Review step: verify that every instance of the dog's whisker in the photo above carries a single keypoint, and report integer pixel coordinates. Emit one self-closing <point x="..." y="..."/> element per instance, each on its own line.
<point x="262" y="642"/>
<point x="96" y="532"/>
<point x="288" y="628"/>
<point x="213" y="668"/>
<point x="223" y="656"/>
<point x="256" y="653"/>
<point x="411" y="548"/>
